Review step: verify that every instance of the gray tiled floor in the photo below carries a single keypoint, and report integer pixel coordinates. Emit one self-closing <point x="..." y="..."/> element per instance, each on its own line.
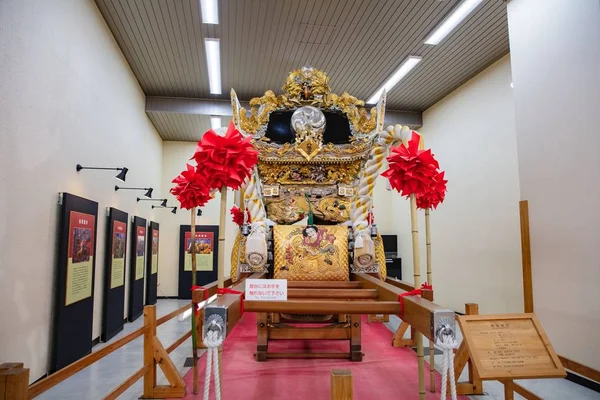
<point x="548" y="389"/>
<point x="99" y="379"/>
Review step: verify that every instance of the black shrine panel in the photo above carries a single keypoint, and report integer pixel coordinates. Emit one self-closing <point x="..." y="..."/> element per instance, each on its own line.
<point x="152" y="263"/>
<point x="114" y="273"/>
<point x="137" y="267"/>
<point x="207" y="255"/>
<point x="337" y="127"/>
<point x="74" y="299"/>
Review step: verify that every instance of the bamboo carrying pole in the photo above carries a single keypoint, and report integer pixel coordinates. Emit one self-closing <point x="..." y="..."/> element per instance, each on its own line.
<point x="194" y="333"/>
<point x="221" y="266"/>
<point x="430" y="282"/>
<point x="417" y="284"/>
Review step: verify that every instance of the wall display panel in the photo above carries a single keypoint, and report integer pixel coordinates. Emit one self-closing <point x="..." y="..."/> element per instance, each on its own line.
<point x="207" y="255"/>
<point x="114" y="273"/>
<point x="152" y="263"/>
<point x="74" y="301"/>
<point x="137" y="268"/>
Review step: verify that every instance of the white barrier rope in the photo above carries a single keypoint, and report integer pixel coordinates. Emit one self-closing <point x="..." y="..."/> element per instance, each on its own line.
<point x="212" y="341"/>
<point x="445" y="341"/>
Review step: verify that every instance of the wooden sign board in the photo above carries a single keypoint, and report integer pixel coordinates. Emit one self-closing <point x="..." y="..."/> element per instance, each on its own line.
<point x="510" y="346"/>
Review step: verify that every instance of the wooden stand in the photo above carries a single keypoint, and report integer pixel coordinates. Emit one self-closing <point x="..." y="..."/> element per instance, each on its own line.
<point x="461" y="359"/>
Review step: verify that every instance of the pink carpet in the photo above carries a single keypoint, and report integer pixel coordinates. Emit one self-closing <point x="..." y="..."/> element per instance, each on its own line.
<point x="385" y="372"/>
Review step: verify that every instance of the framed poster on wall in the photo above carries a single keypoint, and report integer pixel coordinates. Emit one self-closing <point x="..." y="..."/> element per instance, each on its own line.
<point x="206" y="248"/>
<point x="152" y="263"/>
<point x="114" y="273"/>
<point x="136" y="268"/>
<point x="74" y="303"/>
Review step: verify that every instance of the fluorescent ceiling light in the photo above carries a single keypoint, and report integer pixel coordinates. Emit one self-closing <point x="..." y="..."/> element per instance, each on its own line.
<point x="215" y="122"/>
<point x="452" y="21"/>
<point x="213" y="61"/>
<point x="210" y="11"/>
<point x="400" y="73"/>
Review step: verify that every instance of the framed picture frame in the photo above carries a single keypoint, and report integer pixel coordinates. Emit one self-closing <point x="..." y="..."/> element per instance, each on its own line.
<point x="152" y="263"/>
<point x="115" y="254"/>
<point x="75" y="269"/>
<point x="207" y="256"/>
<point x="137" y="268"/>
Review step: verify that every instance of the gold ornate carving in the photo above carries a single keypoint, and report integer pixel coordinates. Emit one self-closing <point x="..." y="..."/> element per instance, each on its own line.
<point x="317" y="253"/>
<point x="291" y="208"/>
<point x="308" y="174"/>
<point x="303" y="87"/>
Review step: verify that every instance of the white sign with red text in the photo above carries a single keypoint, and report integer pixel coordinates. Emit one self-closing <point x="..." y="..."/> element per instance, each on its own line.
<point x="266" y="289"/>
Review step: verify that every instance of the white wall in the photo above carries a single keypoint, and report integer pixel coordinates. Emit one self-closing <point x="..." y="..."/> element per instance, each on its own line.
<point x="67" y="96"/>
<point x="175" y="156"/>
<point x="556" y="61"/>
<point x="475" y="233"/>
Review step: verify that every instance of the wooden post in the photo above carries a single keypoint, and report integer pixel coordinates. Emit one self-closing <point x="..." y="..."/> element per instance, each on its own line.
<point x="526" y="257"/>
<point x="461" y="359"/>
<point x="509" y="390"/>
<point x="341" y="384"/>
<point x="417" y="284"/>
<point x="14" y="381"/>
<point x="150" y="375"/>
<point x="223" y="213"/>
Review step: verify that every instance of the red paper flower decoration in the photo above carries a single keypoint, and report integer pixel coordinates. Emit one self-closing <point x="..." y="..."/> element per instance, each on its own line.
<point x="410" y="169"/>
<point x="191" y="189"/>
<point x="435" y="195"/>
<point x="237" y="216"/>
<point x="225" y="160"/>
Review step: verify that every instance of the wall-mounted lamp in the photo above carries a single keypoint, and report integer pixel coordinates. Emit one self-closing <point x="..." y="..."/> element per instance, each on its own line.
<point x="199" y="212"/>
<point x="163" y="204"/>
<point x="148" y="194"/>
<point x="173" y="212"/>
<point x="120" y="176"/>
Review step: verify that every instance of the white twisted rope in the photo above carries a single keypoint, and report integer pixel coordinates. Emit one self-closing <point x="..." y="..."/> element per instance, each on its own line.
<point x="253" y="201"/>
<point x="212" y="341"/>
<point x="447" y="343"/>
<point x="366" y="183"/>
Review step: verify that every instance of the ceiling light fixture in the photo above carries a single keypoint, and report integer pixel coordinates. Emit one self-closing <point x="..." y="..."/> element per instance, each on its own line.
<point x="400" y="73"/>
<point x="163" y="201"/>
<point x="452" y="21"/>
<point x="213" y="61"/>
<point x="210" y="11"/>
<point x="120" y="176"/>
<point x="215" y="122"/>
<point x="148" y="194"/>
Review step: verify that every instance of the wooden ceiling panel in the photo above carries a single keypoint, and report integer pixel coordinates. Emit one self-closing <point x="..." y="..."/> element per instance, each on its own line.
<point x="359" y="43"/>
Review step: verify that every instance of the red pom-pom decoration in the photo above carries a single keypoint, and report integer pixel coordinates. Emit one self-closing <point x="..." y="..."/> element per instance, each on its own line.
<point x="410" y="169"/>
<point x="237" y="215"/>
<point x="225" y="160"/>
<point x="191" y="189"/>
<point x="435" y="195"/>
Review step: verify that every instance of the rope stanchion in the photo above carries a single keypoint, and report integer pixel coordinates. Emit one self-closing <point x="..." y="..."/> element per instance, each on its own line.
<point x="445" y="340"/>
<point x="212" y="340"/>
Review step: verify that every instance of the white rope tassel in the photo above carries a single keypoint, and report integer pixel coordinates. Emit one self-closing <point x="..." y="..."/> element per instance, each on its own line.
<point x="212" y="341"/>
<point x="447" y="343"/>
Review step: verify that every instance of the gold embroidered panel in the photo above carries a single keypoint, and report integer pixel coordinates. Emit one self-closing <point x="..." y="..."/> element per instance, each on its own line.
<point x="311" y="253"/>
<point x="291" y="208"/>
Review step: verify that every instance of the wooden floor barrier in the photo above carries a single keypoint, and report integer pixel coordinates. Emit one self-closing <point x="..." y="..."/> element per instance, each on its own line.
<point x="14" y="379"/>
<point x="341" y="384"/>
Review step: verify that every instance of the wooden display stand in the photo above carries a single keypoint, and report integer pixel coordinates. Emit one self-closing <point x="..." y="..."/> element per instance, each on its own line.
<point x="509" y="347"/>
<point x="13" y="381"/>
